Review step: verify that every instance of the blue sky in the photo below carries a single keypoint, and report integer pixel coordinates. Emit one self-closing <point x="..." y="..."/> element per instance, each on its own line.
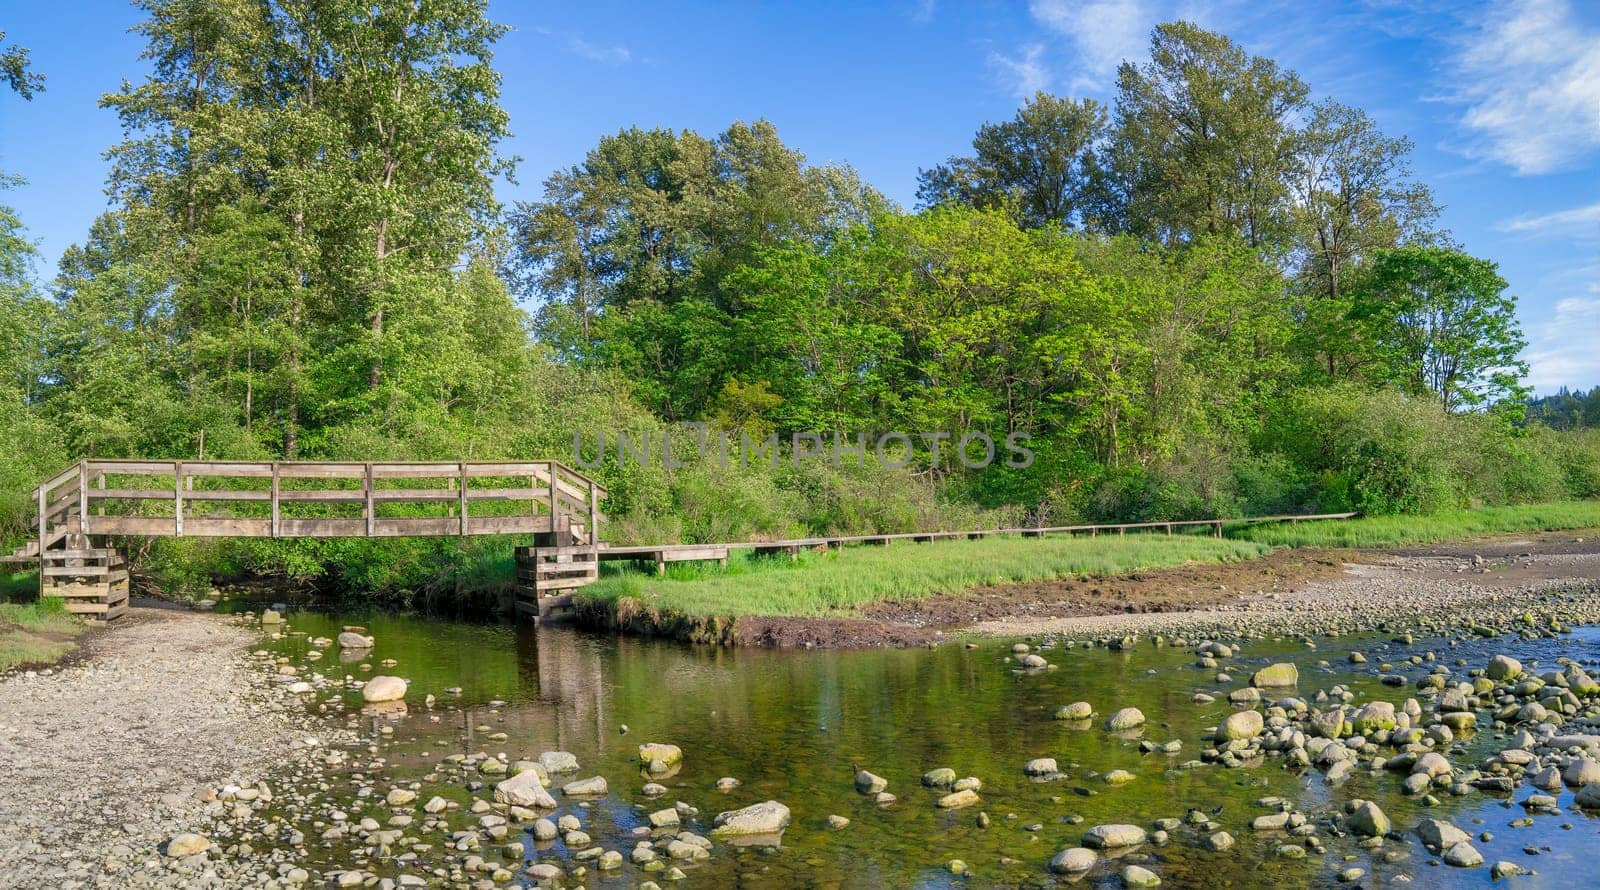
<point x="1502" y="101"/>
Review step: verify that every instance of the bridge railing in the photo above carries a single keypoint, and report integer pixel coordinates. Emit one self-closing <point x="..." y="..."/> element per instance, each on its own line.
<point x="285" y="499"/>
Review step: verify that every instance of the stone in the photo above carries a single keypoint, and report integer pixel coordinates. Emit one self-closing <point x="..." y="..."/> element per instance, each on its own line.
<point x="271" y="617"/>
<point x="1033" y="662"/>
<point x="188" y="844"/>
<point x="1439" y="835"/>
<point x="1373" y="717"/>
<point x="664" y="818"/>
<point x="1275" y="675"/>
<point x="1505" y="869"/>
<point x="544" y="830"/>
<point x="1124" y="719"/>
<point x="352" y="640"/>
<point x="1433" y="764"/>
<point x="1240" y="725"/>
<point x="399" y="797"/>
<point x="1504" y="667"/>
<point x="435" y="805"/>
<point x="590" y="787"/>
<point x="955" y="800"/>
<point x="1581" y="771"/>
<point x="660" y="757"/>
<point x="943" y="777"/>
<point x="383" y="688"/>
<point x="1139" y="876"/>
<point x="1078" y="710"/>
<point x="1588" y="797"/>
<point x="837" y="822"/>
<point x="1218" y="842"/>
<point x="1103" y="837"/>
<point x="1118" y="777"/>
<point x="1073" y="860"/>
<point x="869" y="783"/>
<point x="768" y="817"/>
<point x="1368" y="820"/>
<point x="1462" y="855"/>
<point x="1040" y="766"/>
<point x="524" y="790"/>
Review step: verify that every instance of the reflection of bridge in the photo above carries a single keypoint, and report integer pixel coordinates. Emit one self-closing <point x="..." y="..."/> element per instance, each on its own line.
<point x="93" y="500"/>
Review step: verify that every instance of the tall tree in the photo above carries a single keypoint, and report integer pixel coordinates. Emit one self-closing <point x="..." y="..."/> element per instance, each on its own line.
<point x="1441" y="323"/>
<point x="1041" y="165"/>
<point x="1204" y="140"/>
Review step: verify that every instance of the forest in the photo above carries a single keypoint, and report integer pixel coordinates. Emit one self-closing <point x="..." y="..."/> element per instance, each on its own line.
<point x="1218" y="295"/>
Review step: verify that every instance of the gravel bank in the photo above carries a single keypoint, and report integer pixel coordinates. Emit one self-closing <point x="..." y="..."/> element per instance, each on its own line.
<point x="1456" y="589"/>
<point x="104" y="760"/>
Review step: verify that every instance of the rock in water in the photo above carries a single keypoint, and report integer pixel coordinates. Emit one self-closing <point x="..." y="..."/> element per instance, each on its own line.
<point x="659" y="757"/>
<point x="1462" y="855"/>
<point x="768" y="817"/>
<point x="352" y="640"/>
<point x="1078" y="710"/>
<point x="1438" y="835"/>
<point x="966" y="797"/>
<point x="1240" y="725"/>
<point x="593" y="786"/>
<point x="1504" y="667"/>
<point x="1138" y="876"/>
<point x="188" y="845"/>
<point x="868" y="783"/>
<point x="524" y="790"/>
<point x="1107" y="836"/>
<point x="1040" y="766"/>
<point x="1073" y="860"/>
<point x="384" y="688"/>
<point x="1281" y="674"/>
<point x="1127" y="718"/>
<point x="1368" y="820"/>
<point x="271" y="617"/>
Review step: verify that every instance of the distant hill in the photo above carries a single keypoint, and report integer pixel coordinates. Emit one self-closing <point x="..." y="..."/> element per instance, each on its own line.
<point x="1567" y="410"/>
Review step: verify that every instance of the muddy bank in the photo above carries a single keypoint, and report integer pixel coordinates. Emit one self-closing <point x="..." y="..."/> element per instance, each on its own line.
<point x="1281" y="587"/>
<point x="107" y="756"/>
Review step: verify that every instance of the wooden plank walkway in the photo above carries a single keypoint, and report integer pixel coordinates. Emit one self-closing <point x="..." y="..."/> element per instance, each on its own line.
<point x="663" y="554"/>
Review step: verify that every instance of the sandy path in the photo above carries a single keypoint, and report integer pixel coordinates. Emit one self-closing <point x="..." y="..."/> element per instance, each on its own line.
<point x="101" y="761"/>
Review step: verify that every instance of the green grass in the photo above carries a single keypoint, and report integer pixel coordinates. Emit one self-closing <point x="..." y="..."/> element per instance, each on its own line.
<point x="36" y="633"/>
<point x="1406" y="531"/>
<point x="842" y="581"/>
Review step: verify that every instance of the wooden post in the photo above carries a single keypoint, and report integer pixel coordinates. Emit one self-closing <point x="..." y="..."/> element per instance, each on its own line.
<point x="100" y="483"/>
<point x="462" y="468"/>
<point x="42" y="533"/>
<point x="177" y="497"/>
<point x="367" y="511"/>
<point x="594" y="515"/>
<point x="83" y="497"/>
<point x="275" y="489"/>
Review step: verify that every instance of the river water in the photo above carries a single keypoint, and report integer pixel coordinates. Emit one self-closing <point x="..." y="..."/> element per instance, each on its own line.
<point x="794" y="726"/>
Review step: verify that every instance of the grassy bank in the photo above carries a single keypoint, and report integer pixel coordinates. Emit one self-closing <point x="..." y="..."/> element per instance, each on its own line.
<point x="839" y="582"/>
<point x="1407" y="531"/>
<point x="36" y="633"/>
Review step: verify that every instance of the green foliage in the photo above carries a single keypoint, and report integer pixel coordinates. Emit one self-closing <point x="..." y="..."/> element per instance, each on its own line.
<point x="1411" y="531"/>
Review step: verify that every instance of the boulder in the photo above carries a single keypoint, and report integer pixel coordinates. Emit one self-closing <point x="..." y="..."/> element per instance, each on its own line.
<point x="1368" y="820"/>
<point x="1462" y="855"/>
<point x="1103" y="837"/>
<point x="1372" y="717"/>
<point x="352" y="640"/>
<point x="383" y="688"/>
<point x="1139" y="876"/>
<point x="660" y="757"/>
<point x="593" y="786"/>
<point x="1240" y="725"/>
<point x="558" y="762"/>
<point x="768" y="817"/>
<point x="1438" y="835"/>
<point x="1040" y="766"/>
<point x="1078" y="710"/>
<point x="1503" y="667"/>
<point x="524" y="790"/>
<point x="1073" y="860"/>
<point x="868" y="783"/>
<point x="955" y="800"/>
<point x="1281" y="674"/>
<point x="1127" y="718"/>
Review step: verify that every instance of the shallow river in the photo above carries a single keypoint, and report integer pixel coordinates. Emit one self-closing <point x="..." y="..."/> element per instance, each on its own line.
<point x="794" y="727"/>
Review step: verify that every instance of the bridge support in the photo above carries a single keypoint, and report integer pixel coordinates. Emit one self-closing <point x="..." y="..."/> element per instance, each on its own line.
<point x="90" y="580"/>
<point x="548" y="572"/>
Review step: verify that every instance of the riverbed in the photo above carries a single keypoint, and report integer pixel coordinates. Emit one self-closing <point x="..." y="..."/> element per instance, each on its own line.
<point x="796" y="727"/>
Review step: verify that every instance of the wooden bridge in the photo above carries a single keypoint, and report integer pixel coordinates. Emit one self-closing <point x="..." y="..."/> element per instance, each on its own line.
<point x="92" y="501"/>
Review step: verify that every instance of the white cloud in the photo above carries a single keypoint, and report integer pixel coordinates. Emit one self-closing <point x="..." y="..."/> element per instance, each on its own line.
<point x="1561" y="350"/>
<point x="1579" y="222"/>
<point x="1530" y="78"/>
<point x="610" y="55"/>
<point x="1026" y="74"/>
<point x="1104" y="33"/>
<point x="923" y="11"/>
